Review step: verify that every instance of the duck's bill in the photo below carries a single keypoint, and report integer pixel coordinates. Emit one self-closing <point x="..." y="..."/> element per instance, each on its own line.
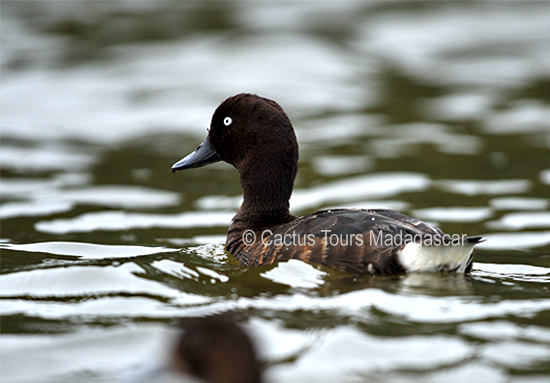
<point x="202" y="156"/>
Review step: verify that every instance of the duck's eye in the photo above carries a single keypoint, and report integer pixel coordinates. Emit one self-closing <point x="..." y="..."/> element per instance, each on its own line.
<point x="227" y="121"/>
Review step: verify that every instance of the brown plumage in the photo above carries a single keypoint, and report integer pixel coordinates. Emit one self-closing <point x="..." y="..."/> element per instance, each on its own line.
<point x="255" y="136"/>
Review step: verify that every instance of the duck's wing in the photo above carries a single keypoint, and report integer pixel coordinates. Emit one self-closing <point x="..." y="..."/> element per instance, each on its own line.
<point x="363" y="241"/>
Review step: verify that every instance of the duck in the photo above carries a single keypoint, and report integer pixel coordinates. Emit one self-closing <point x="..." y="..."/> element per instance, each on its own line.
<point x="255" y="135"/>
<point x="217" y="349"/>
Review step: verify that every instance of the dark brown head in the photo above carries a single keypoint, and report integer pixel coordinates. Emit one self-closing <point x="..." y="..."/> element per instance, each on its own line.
<point x="217" y="350"/>
<point x="243" y="128"/>
<point x="254" y="135"/>
<point x="246" y="126"/>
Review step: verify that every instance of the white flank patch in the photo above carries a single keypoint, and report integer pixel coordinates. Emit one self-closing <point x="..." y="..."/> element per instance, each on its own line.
<point x="416" y="257"/>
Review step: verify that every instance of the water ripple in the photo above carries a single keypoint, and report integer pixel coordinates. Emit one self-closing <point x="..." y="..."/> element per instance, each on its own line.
<point x="120" y="220"/>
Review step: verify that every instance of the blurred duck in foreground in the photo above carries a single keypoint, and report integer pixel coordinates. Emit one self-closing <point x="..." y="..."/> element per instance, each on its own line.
<point x="217" y="350"/>
<point x="210" y="350"/>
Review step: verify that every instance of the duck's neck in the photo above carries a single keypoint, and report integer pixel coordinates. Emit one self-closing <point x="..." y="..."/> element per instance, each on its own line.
<point x="267" y="186"/>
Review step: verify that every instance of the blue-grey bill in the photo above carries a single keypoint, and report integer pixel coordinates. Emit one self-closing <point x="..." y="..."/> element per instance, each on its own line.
<point x="202" y="156"/>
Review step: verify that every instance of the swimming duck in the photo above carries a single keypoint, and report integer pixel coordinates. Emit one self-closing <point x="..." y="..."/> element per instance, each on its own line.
<point x="256" y="136"/>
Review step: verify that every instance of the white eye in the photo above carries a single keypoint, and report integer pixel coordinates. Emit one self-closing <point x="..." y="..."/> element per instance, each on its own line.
<point x="227" y="121"/>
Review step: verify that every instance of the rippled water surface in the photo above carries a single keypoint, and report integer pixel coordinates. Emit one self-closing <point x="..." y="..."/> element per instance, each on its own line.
<point x="438" y="110"/>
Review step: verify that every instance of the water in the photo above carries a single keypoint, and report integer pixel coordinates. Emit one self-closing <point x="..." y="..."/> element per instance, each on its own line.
<point x="440" y="111"/>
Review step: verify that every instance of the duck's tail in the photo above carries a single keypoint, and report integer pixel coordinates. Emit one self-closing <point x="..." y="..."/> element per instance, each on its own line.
<point x="444" y="254"/>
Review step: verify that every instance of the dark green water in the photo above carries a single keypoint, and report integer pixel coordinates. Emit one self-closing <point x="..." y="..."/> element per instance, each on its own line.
<point x="440" y="111"/>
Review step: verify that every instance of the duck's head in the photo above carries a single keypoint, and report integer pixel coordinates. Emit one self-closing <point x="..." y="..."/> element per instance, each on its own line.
<point x="255" y="135"/>
<point x="246" y="129"/>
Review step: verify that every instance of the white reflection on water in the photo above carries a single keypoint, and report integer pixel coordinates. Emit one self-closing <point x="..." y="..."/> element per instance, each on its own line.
<point x="515" y="241"/>
<point x="210" y="252"/>
<point x="521" y="220"/>
<point x="29" y="187"/>
<point x="437" y="46"/>
<point x="429" y="283"/>
<point x="516" y="354"/>
<point x="523" y="117"/>
<point x="498" y="330"/>
<point x="341" y="165"/>
<point x="300" y="15"/>
<point x="460" y="106"/>
<point x="120" y="196"/>
<point x="418" y="308"/>
<point x="279" y="342"/>
<point x="405" y="139"/>
<point x="61" y="192"/>
<point x="215" y="202"/>
<point x="346" y="352"/>
<point x="544" y="176"/>
<point x="34" y="208"/>
<point x="413" y="305"/>
<point x="339" y="130"/>
<point x="212" y="274"/>
<point x="121" y="220"/>
<point x="295" y="273"/>
<point x="82" y="281"/>
<point x="64" y="357"/>
<point x="87" y="250"/>
<point x="176" y="269"/>
<point x="490" y="187"/>
<point x="519" y="203"/>
<point x="379" y="185"/>
<point x="104" y="306"/>
<point x="525" y="273"/>
<point x="45" y="158"/>
<point x="454" y="214"/>
<point x="45" y="201"/>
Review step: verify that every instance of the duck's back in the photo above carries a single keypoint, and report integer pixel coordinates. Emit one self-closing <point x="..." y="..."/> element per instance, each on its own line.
<point x="362" y="241"/>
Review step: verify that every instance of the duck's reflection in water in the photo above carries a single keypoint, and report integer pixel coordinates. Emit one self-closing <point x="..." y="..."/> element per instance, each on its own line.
<point x="436" y="284"/>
